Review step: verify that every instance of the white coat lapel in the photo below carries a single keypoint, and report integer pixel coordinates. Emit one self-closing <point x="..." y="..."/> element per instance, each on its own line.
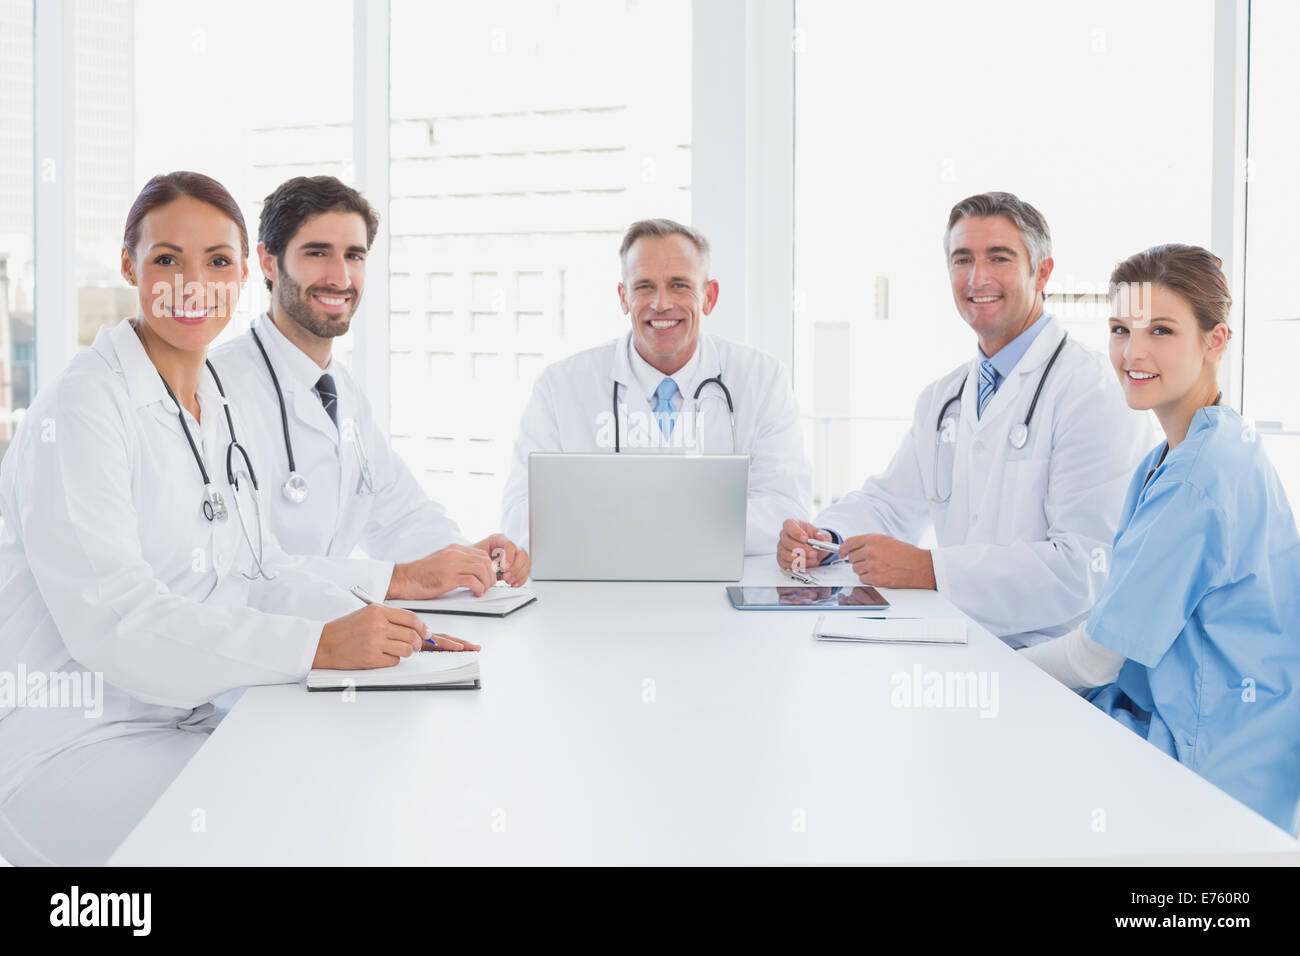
<point x="1024" y="378"/>
<point x="165" y="413"/>
<point x="143" y="383"/>
<point x="620" y="364"/>
<point x="711" y="429"/>
<point x="1039" y="353"/>
<point x="1016" y="391"/>
<point x="633" y="407"/>
<point x="307" y="411"/>
<point x="301" y="403"/>
<point x="710" y="367"/>
<point x="969" y="395"/>
<point x="618" y="390"/>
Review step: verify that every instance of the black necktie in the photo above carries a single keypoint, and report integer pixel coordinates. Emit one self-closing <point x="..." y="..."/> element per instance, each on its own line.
<point x="329" y="397"/>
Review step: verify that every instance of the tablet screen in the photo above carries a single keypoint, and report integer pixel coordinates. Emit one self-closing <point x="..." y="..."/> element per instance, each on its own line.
<point x="797" y="596"/>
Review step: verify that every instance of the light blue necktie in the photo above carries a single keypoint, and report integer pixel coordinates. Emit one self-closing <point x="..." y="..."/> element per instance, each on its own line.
<point x="988" y="385"/>
<point x="664" y="413"/>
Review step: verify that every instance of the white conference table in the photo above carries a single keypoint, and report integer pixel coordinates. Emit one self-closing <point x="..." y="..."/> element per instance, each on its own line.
<point x="653" y="724"/>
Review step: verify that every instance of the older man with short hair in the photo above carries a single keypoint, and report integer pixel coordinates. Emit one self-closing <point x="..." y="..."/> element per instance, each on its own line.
<point x="667" y="387"/>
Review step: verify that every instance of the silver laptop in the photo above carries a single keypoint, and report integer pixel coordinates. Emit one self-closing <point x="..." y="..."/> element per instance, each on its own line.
<point x="637" y="517"/>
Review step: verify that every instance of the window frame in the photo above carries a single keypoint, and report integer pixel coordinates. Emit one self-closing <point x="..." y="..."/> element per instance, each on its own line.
<point x="742" y="169"/>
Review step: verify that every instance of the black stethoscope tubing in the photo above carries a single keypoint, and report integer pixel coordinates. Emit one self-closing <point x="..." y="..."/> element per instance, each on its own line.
<point x="938" y="425"/>
<point x="209" y="511"/>
<point x="279" y="397"/>
<point x="716" y="380"/>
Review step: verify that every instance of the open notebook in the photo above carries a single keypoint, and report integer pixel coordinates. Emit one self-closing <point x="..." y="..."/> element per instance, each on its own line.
<point x="496" y="602"/>
<point x="427" y="670"/>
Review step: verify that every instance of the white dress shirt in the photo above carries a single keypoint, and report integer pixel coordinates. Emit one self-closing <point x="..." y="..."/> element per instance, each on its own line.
<point x="650" y="378"/>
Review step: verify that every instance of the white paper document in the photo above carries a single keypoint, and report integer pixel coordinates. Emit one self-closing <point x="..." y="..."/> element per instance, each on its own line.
<point x="891" y="630"/>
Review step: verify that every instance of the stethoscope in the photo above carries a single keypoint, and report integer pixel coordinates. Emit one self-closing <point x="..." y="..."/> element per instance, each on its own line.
<point x="716" y="380"/>
<point x="1019" y="434"/>
<point x="294" y="488"/>
<point x="214" y="506"/>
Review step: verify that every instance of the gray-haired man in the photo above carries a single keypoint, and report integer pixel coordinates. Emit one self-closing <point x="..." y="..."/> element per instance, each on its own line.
<point x="1018" y="459"/>
<point x="663" y="387"/>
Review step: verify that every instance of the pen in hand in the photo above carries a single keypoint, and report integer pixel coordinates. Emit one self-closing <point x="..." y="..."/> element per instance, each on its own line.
<point x="360" y="594"/>
<point x="821" y="545"/>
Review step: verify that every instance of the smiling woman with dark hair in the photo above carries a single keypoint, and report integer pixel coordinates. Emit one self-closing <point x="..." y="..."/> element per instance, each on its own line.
<point x="1194" y="641"/>
<point x="138" y="581"/>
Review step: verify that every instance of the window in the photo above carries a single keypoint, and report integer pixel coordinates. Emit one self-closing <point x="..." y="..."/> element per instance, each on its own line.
<point x="16" y="165"/>
<point x="1271" y="302"/>
<point x="523" y="146"/>
<point x="104" y="127"/>
<point x="1098" y="114"/>
<point x="525" y="137"/>
<point x="249" y="108"/>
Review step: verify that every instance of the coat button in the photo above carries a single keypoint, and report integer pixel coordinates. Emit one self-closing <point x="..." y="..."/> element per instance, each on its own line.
<point x="979" y="447"/>
<point x="974" y="517"/>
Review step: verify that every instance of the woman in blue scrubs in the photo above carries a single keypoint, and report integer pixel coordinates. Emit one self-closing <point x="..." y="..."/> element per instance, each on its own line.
<point x="1194" y="641"/>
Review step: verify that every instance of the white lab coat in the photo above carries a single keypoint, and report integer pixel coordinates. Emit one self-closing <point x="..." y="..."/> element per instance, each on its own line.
<point x="1024" y="541"/>
<point x="572" y="410"/>
<point x="395" y="523"/>
<point x="108" y="567"/>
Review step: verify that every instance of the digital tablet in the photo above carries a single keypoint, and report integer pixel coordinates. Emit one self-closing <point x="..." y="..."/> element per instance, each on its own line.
<point x="800" y="597"/>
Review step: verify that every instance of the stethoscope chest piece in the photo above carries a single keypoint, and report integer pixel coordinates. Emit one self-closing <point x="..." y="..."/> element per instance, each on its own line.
<point x="214" y="506"/>
<point x="295" y="488"/>
<point x="1019" y="435"/>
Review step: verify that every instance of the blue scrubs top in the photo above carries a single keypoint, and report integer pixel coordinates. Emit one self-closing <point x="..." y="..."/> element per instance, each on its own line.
<point x="1203" y="598"/>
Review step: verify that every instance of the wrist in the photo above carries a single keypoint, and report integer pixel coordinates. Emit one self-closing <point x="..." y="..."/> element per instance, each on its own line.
<point x="399" y="584"/>
<point x="828" y="556"/>
<point x="321" y="658"/>
<point x="927" y="569"/>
